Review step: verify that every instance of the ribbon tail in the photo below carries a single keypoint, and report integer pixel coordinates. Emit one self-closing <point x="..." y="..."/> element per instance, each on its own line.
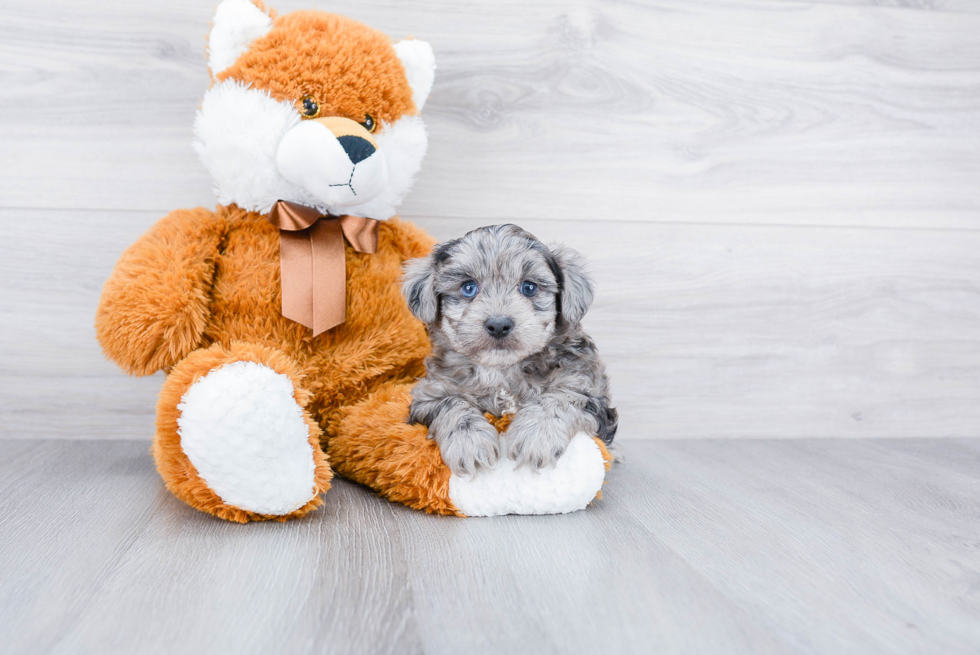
<point x="329" y="275"/>
<point x="296" y="272"/>
<point x="312" y="262"/>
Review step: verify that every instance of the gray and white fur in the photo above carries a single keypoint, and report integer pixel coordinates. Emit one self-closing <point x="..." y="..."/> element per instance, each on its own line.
<point x="515" y="347"/>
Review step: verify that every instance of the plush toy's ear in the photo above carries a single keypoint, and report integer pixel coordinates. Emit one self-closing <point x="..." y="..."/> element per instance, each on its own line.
<point x="236" y="24"/>
<point x="418" y="287"/>
<point x="420" y="68"/>
<point x="576" y="294"/>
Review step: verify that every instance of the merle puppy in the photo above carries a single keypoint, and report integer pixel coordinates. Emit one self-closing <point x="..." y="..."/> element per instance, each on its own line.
<point x="503" y="313"/>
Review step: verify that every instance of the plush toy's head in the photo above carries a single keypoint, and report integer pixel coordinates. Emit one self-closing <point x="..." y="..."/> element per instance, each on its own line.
<point x="312" y="108"/>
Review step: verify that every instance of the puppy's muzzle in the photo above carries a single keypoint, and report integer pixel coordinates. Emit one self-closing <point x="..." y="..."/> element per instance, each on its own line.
<point x="499" y="327"/>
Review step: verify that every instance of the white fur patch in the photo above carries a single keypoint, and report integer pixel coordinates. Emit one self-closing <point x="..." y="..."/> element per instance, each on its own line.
<point x="238" y="131"/>
<point x="420" y="68"/>
<point x="311" y="157"/>
<point x="570" y="486"/>
<point x="403" y="145"/>
<point x="236" y="24"/>
<point x="244" y="433"/>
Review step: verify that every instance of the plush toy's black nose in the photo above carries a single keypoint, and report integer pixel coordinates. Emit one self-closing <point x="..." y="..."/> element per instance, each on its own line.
<point x="499" y="326"/>
<point x="357" y="148"/>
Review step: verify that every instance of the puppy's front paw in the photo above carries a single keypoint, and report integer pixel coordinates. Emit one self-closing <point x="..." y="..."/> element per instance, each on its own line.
<point x="536" y="439"/>
<point x="470" y="445"/>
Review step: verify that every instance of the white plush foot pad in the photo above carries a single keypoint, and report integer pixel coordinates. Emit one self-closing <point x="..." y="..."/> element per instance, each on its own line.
<point x="244" y="433"/>
<point x="568" y="487"/>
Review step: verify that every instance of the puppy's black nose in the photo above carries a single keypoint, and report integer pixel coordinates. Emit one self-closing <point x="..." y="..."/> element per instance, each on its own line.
<point x="357" y="148"/>
<point x="499" y="326"/>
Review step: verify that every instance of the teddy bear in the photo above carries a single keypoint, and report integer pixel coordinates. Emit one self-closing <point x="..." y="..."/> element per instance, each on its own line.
<point x="288" y="349"/>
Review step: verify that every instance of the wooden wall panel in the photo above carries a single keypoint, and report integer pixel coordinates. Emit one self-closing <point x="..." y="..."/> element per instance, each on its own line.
<point x="758" y="111"/>
<point x="708" y="331"/>
<point x="779" y="199"/>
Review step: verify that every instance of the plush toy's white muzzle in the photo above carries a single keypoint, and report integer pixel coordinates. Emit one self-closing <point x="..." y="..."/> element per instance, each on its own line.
<point x="333" y="159"/>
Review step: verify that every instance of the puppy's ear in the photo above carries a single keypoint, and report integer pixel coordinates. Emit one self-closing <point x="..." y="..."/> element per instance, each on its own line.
<point x="576" y="295"/>
<point x="418" y="287"/>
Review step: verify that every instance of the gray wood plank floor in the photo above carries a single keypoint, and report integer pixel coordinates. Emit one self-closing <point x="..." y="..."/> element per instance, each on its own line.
<point x="747" y="546"/>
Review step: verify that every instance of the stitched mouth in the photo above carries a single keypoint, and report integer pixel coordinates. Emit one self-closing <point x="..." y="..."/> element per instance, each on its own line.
<point x="348" y="182"/>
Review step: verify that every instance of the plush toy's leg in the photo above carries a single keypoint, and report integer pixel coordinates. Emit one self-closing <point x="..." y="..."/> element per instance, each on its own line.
<point x="233" y="438"/>
<point x="374" y="444"/>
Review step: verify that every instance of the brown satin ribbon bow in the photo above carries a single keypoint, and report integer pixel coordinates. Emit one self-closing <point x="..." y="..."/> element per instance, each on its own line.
<point x="312" y="264"/>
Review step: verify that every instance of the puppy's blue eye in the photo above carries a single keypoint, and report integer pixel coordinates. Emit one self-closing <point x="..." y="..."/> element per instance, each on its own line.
<point x="529" y="289"/>
<point x="469" y="289"/>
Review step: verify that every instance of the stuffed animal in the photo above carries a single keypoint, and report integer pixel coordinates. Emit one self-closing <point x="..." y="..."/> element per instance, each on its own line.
<point x="278" y="317"/>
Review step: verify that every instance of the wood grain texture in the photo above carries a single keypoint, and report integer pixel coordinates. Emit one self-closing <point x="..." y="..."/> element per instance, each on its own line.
<point x="755" y="111"/>
<point x="708" y="331"/>
<point x="964" y="6"/>
<point x="752" y="546"/>
<point x="778" y="198"/>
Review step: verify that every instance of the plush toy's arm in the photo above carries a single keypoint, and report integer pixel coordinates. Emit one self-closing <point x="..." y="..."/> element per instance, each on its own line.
<point x="155" y="305"/>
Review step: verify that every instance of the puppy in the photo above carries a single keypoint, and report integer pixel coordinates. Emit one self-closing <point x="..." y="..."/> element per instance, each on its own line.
<point x="503" y="313"/>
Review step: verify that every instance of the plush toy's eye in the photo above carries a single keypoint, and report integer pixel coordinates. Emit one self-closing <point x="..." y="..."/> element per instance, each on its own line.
<point x="369" y="123"/>
<point x="469" y="289"/>
<point x="311" y="109"/>
<point x="529" y="289"/>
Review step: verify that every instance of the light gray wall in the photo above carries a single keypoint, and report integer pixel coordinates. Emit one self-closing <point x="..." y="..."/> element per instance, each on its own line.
<point x="780" y="200"/>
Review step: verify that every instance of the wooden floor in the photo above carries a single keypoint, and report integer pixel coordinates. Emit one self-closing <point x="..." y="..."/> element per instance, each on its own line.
<point x="739" y="546"/>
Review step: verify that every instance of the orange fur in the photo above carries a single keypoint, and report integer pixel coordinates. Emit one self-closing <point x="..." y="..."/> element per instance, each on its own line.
<point x="202" y="289"/>
<point x="607" y="460"/>
<point x="499" y="422"/>
<point x="350" y="69"/>
<point x="179" y="473"/>
<point x="607" y="457"/>
<point x="375" y="445"/>
<point x="153" y="313"/>
<point x="199" y="279"/>
<point x="268" y="11"/>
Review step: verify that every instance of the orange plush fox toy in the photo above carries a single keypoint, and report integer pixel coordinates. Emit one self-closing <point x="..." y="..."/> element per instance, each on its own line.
<point x="278" y="317"/>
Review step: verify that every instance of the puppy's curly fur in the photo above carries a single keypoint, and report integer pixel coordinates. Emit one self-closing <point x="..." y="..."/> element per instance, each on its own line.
<point x="503" y="313"/>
